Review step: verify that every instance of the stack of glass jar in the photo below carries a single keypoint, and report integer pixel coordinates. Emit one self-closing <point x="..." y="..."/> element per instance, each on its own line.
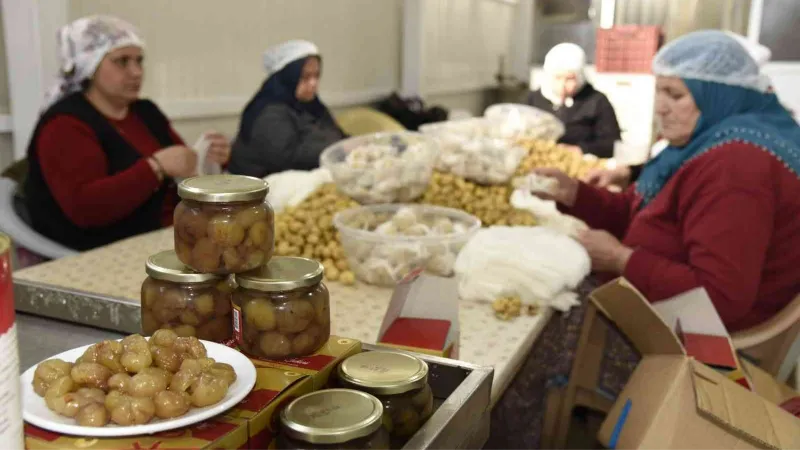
<point x="224" y="235"/>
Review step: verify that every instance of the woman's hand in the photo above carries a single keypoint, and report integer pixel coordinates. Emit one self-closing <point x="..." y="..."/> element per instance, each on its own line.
<point x="572" y="148"/>
<point x="606" y="252"/>
<point x="219" y="150"/>
<point x="621" y="176"/>
<point x="564" y="193"/>
<point x="177" y="161"/>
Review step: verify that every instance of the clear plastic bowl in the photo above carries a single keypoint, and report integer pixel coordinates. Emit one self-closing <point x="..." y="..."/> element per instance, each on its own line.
<point x="382" y="167"/>
<point x="383" y="259"/>
<point x="523" y="121"/>
<point x="475" y="149"/>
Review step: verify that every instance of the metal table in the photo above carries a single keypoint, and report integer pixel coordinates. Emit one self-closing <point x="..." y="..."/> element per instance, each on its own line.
<point x="462" y="390"/>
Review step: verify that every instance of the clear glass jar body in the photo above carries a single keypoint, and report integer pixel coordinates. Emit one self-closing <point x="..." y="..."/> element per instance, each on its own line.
<point x="379" y="439"/>
<point x="201" y="309"/>
<point x="224" y="238"/>
<point x="404" y="414"/>
<point x="284" y="324"/>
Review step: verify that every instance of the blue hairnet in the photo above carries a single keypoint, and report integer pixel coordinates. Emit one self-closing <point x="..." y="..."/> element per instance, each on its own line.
<point x="710" y="56"/>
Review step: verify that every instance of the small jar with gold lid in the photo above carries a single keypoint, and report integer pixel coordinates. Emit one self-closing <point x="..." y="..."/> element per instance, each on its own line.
<point x="223" y="224"/>
<point x="189" y="303"/>
<point x="282" y="309"/>
<point x="399" y="380"/>
<point x="333" y="419"/>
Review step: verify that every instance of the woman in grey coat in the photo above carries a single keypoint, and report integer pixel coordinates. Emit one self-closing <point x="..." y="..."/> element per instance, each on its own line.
<point x="285" y="126"/>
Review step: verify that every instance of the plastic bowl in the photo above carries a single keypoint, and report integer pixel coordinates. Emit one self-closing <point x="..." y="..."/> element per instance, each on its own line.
<point x="523" y="121"/>
<point x="384" y="259"/>
<point x="382" y="167"/>
<point x="476" y="150"/>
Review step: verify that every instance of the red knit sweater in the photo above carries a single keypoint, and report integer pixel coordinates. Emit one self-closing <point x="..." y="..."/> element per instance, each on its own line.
<point x="728" y="221"/>
<point x="76" y="170"/>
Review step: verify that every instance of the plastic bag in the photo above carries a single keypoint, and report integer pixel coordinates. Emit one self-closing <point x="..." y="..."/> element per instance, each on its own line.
<point x="291" y="187"/>
<point x="547" y="213"/>
<point x="537" y="264"/>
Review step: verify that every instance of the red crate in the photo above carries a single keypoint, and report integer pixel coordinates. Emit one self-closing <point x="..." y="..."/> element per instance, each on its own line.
<point x="627" y="48"/>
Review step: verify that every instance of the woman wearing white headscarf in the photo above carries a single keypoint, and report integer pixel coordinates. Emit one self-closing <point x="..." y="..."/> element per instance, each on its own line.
<point x="102" y="160"/>
<point x="589" y="119"/>
<point x="285" y="126"/>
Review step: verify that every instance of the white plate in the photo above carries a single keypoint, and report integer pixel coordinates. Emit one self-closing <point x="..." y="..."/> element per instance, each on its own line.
<point x="36" y="412"/>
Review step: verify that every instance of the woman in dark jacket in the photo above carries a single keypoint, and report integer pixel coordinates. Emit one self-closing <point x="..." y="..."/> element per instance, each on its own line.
<point x="589" y="119"/>
<point x="285" y="126"/>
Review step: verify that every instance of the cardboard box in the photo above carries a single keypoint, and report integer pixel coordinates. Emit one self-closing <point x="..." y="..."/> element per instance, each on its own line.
<point x="674" y="401"/>
<point x="219" y="432"/>
<point x="261" y="408"/>
<point x="423" y="316"/>
<point x="321" y="364"/>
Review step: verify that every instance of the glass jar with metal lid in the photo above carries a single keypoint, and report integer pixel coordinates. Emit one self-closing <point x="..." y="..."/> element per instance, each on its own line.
<point x="189" y="303"/>
<point x="223" y="224"/>
<point x="399" y="380"/>
<point x="282" y="309"/>
<point x="333" y="418"/>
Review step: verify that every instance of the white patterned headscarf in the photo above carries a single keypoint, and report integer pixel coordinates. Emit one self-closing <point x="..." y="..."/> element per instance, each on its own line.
<point x="82" y="44"/>
<point x="278" y="56"/>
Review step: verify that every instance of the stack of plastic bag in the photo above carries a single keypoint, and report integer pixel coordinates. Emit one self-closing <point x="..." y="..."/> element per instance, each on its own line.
<point x="539" y="265"/>
<point x="291" y="187"/>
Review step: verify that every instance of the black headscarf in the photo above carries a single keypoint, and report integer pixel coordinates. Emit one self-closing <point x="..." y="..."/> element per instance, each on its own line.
<point x="280" y="87"/>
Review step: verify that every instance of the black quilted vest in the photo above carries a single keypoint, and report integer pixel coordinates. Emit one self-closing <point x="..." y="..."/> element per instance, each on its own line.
<point x="46" y="215"/>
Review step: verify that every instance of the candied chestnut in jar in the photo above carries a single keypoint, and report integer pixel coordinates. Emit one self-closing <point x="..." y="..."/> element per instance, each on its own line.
<point x="223" y="224"/>
<point x="282" y="309"/>
<point x="190" y="304"/>
<point x="399" y="380"/>
<point x="333" y="419"/>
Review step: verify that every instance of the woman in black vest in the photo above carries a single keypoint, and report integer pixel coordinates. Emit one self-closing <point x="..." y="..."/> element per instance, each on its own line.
<point x="102" y="160"/>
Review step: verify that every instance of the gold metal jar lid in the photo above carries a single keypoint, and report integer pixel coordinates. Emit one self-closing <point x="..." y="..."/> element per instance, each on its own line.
<point x="384" y="372"/>
<point x="223" y="189"/>
<point x="167" y="267"/>
<point x="332" y="416"/>
<point x="282" y="273"/>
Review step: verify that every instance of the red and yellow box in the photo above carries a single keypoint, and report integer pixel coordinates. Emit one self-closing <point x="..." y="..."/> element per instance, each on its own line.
<point x="274" y="389"/>
<point x="321" y="364"/>
<point x="216" y="433"/>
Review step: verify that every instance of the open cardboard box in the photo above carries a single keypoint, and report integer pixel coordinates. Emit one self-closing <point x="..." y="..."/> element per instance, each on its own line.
<point x="674" y="401"/>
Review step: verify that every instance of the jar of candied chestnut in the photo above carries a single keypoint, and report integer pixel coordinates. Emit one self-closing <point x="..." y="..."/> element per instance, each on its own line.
<point x="189" y="303"/>
<point x="399" y="380"/>
<point x="333" y="419"/>
<point x="282" y="309"/>
<point x="223" y="224"/>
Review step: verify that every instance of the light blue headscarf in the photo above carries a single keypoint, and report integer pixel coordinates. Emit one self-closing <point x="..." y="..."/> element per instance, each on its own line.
<point x="727" y="113"/>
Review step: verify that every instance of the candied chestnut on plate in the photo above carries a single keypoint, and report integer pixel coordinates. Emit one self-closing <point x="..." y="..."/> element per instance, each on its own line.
<point x="135" y="386"/>
<point x="399" y="381"/>
<point x="333" y="419"/>
<point x="223" y="224"/>
<point x="282" y="310"/>
<point x="191" y="304"/>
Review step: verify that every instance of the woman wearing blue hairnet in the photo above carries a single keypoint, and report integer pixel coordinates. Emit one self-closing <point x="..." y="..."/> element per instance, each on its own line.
<point x="285" y="126"/>
<point x="716" y="209"/>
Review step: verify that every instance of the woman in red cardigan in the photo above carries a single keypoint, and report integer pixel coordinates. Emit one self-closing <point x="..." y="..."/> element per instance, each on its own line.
<point x="103" y="161"/>
<point x="719" y="207"/>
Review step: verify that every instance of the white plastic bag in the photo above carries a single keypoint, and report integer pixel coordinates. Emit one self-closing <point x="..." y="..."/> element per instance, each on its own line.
<point x="546" y="213"/>
<point x="538" y="264"/>
<point x="291" y="187"/>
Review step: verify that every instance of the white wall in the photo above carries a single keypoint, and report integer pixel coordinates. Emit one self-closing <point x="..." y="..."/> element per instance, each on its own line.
<point x="203" y="60"/>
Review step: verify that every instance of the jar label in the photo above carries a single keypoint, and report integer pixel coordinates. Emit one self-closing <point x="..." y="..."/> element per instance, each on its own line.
<point x="11" y="406"/>
<point x="237" y="323"/>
